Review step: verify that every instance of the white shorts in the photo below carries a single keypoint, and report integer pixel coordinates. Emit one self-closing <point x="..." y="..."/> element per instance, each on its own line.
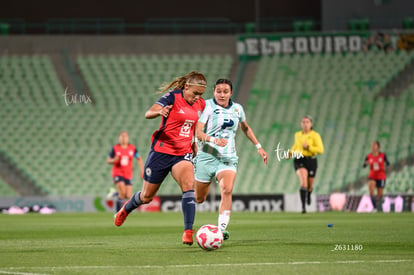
<point x="207" y="166"/>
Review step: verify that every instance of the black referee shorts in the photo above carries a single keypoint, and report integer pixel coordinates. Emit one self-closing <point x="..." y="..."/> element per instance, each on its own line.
<point x="309" y="163"/>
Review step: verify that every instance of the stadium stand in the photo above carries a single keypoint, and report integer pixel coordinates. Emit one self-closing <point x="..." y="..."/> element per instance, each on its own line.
<point x="28" y="88"/>
<point x="63" y="145"/>
<point x="339" y="92"/>
<point x="6" y="190"/>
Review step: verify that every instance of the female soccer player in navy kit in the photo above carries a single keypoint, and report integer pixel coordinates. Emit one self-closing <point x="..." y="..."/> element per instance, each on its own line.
<point x="121" y="157"/>
<point x="217" y="156"/>
<point x="171" y="147"/>
<point x="376" y="178"/>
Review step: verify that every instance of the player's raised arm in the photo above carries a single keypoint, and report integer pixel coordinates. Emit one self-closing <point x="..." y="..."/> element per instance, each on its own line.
<point x="158" y="110"/>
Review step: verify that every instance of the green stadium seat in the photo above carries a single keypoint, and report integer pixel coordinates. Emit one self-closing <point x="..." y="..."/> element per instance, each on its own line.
<point x="340" y="98"/>
<point x="80" y="136"/>
<point x="345" y="114"/>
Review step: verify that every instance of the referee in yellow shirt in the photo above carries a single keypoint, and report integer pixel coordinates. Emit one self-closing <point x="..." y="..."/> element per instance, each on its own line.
<point x="308" y="144"/>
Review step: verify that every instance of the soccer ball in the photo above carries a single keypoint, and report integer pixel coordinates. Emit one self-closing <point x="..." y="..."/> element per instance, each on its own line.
<point x="209" y="237"/>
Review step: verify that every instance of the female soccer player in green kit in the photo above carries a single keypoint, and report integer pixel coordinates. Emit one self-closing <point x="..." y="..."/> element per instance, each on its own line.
<point x="217" y="156"/>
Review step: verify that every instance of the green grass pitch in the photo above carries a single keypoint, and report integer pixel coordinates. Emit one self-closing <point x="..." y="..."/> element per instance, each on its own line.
<point x="261" y="243"/>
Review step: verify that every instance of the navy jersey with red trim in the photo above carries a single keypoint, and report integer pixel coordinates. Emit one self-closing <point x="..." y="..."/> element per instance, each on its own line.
<point x="123" y="167"/>
<point x="176" y="131"/>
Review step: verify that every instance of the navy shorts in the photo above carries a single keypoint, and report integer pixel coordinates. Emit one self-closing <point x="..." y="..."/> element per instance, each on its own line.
<point x="309" y="163"/>
<point x="158" y="165"/>
<point x="124" y="180"/>
<point x="379" y="183"/>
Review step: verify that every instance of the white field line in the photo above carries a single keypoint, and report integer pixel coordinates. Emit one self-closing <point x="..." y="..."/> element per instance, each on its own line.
<point x="9" y="270"/>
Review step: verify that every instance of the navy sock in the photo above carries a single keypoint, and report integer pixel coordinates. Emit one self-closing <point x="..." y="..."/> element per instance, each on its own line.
<point x="188" y="206"/>
<point x="373" y="199"/>
<point x="133" y="203"/>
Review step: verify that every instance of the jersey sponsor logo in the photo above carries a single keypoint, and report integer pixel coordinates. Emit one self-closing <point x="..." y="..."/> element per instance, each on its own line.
<point x="124" y="161"/>
<point x="186" y="128"/>
<point x="181" y="111"/>
<point x="227" y="123"/>
<point x="220" y="111"/>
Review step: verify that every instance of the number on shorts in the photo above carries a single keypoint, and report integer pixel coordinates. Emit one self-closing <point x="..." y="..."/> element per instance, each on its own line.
<point x="188" y="156"/>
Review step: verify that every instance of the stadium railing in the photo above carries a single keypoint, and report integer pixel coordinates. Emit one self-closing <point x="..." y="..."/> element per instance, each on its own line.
<point x="196" y="25"/>
<point x="85" y="25"/>
<point x="191" y="25"/>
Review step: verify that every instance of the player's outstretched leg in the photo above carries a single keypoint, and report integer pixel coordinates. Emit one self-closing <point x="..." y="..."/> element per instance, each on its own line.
<point x="128" y="207"/>
<point x="188" y="206"/>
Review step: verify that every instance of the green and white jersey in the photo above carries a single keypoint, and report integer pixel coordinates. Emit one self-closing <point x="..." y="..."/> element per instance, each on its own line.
<point x="221" y="123"/>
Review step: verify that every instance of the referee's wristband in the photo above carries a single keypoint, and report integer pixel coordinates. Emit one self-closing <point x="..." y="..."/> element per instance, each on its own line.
<point x="258" y="146"/>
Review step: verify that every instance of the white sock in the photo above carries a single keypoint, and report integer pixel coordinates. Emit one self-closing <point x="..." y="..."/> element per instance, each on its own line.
<point x="223" y="220"/>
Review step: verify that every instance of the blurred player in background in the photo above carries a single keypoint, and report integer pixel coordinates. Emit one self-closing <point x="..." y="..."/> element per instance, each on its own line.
<point x="376" y="178"/>
<point x="171" y="147"/>
<point x="217" y="157"/>
<point x="308" y="143"/>
<point x="121" y="157"/>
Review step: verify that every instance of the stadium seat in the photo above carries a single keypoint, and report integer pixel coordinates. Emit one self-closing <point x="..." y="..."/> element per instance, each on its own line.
<point x="341" y="100"/>
<point x="64" y="148"/>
